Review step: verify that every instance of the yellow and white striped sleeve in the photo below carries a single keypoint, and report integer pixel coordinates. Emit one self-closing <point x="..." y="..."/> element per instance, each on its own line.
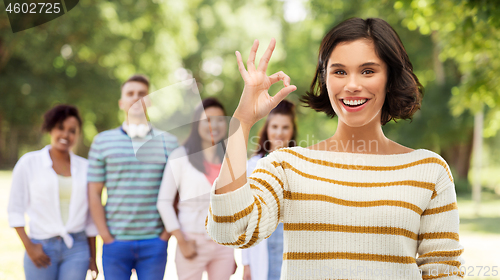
<point x="438" y="240"/>
<point x="244" y="217"/>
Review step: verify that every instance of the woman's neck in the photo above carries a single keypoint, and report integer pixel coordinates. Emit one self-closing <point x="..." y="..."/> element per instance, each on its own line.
<point x="209" y="152"/>
<point x="58" y="155"/>
<point x="273" y="148"/>
<point x="368" y="139"/>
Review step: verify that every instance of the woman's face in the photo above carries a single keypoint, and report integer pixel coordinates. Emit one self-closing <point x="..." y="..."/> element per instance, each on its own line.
<point x="63" y="136"/>
<point x="216" y="130"/>
<point x="356" y="81"/>
<point x="279" y="130"/>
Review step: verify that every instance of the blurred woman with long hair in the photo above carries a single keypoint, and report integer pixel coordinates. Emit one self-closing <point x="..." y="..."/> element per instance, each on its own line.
<point x="190" y="173"/>
<point x="280" y="130"/>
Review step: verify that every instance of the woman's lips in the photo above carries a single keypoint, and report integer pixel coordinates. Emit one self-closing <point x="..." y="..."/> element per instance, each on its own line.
<point x="354" y="109"/>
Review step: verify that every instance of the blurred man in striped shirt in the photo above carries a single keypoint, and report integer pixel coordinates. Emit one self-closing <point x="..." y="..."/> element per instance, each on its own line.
<point x="129" y="224"/>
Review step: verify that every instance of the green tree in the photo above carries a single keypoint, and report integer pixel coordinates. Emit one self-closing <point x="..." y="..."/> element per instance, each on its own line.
<point x="81" y="58"/>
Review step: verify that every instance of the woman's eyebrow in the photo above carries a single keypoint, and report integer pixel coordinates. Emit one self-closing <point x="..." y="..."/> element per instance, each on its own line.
<point x="362" y="65"/>
<point x="369" y="64"/>
<point x="337" y="65"/>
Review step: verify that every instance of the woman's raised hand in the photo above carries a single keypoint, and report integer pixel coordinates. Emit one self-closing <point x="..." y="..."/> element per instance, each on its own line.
<point x="255" y="102"/>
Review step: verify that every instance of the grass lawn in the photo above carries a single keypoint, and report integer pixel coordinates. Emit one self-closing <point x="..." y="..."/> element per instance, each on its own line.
<point x="488" y="220"/>
<point x="480" y="235"/>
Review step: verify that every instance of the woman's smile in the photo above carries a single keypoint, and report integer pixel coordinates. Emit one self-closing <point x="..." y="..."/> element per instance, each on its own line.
<point x="354" y="104"/>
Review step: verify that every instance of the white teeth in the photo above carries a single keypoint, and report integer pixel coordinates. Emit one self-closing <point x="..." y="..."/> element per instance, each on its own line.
<point x="354" y="102"/>
<point x="63" y="141"/>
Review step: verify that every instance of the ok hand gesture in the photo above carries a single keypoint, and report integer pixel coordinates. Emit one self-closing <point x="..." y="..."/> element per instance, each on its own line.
<point x="255" y="102"/>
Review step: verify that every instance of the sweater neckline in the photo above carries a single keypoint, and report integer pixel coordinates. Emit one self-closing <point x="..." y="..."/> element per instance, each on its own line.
<point x="364" y="154"/>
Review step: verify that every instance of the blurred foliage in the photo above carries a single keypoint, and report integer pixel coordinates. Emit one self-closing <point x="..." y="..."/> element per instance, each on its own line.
<point x="468" y="32"/>
<point x="82" y="58"/>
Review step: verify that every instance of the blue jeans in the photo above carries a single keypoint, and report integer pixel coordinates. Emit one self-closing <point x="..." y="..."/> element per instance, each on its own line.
<point x="65" y="263"/>
<point x="275" y="253"/>
<point x="148" y="257"/>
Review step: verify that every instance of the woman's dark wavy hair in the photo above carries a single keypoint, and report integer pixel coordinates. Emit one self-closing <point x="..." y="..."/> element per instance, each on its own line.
<point x="283" y="108"/>
<point x="59" y="114"/>
<point x="193" y="142"/>
<point x="404" y="91"/>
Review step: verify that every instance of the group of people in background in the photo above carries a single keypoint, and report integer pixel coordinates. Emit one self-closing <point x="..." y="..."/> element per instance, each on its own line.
<point x="392" y="209"/>
<point x="147" y="201"/>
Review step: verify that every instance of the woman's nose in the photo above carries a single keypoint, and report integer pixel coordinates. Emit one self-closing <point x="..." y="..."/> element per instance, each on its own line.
<point x="352" y="84"/>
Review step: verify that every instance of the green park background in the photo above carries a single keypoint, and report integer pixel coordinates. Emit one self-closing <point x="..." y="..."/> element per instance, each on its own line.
<point x="83" y="57"/>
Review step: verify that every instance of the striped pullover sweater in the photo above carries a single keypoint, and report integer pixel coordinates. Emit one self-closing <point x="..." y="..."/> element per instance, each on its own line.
<point x="347" y="215"/>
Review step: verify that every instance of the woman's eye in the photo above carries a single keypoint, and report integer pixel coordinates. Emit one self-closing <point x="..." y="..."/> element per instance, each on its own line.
<point x="367" y="72"/>
<point x="339" y="72"/>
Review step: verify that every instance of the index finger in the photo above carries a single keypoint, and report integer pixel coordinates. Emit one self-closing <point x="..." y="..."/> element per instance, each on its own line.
<point x="251" y="57"/>
<point x="241" y="66"/>
<point x="264" y="60"/>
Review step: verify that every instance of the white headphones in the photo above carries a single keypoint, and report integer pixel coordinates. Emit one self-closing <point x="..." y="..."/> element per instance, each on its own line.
<point x="134" y="130"/>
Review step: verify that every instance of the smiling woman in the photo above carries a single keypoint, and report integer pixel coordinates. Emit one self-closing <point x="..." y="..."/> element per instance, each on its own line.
<point x="386" y="213"/>
<point x="50" y="185"/>
<point x="190" y="171"/>
<point x="352" y="58"/>
<point x="264" y="261"/>
<point x="63" y="123"/>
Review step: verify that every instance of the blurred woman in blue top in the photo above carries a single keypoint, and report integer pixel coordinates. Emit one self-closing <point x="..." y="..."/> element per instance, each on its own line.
<point x="264" y="260"/>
